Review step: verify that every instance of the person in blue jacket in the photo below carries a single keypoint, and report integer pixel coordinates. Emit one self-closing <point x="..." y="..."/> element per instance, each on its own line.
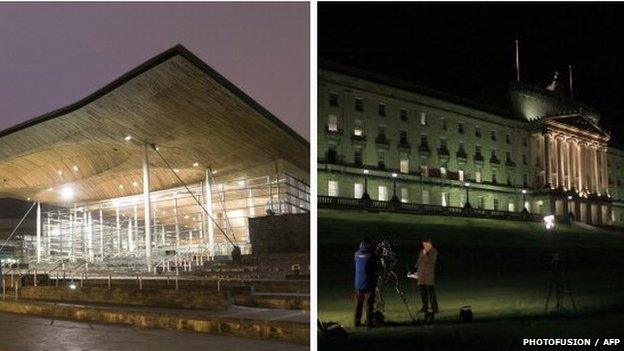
<point x="365" y="281"/>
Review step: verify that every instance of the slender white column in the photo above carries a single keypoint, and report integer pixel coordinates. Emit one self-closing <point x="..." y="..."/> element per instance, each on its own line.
<point x="118" y="224"/>
<point x="90" y="235"/>
<point x="209" y="209"/>
<point x="579" y="167"/>
<point x="49" y="233"/>
<point x="605" y="171"/>
<point x="72" y="218"/>
<point x="101" y="235"/>
<point x="130" y="243"/>
<point x="39" y="232"/>
<point x="83" y="235"/>
<point x="568" y="167"/>
<point x="147" y="206"/>
<point x="177" y="223"/>
<point x="60" y="231"/>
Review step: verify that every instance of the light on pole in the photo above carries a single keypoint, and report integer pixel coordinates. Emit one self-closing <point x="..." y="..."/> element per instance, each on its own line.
<point x="467" y="185"/>
<point x="394" y="193"/>
<point x="365" y="196"/>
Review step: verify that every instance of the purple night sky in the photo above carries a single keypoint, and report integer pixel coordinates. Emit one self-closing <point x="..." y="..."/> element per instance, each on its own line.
<point x="52" y="55"/>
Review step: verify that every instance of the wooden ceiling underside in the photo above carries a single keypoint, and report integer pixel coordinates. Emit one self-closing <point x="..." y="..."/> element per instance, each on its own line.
<point x="176" y="105"/>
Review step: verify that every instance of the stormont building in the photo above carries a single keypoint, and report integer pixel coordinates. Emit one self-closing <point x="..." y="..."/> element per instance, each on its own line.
<point x="394" y="142"/>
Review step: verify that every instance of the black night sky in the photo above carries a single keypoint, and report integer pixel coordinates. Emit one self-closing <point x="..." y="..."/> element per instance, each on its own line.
<point x="468" y="49"/>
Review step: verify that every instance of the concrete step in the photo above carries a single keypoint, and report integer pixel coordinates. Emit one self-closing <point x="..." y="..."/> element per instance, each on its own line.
<point x="276" y="324"/>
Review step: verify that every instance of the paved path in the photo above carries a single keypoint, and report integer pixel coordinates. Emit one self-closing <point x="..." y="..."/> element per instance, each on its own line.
<point x="28" y="333"/>
<point x="271" y="314"/>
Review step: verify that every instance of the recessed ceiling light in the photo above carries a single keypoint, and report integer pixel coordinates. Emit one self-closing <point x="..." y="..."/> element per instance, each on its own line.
<point x="195" y="164"/>
<point x="135" y="184"/>
<point x="120" y="186"/>
<point x="28" y="199"/>
<point x="75" y="168"/>
<point x="128" y="137"/>
<point x="59" y="172"/>
<point x="176" y="170"/>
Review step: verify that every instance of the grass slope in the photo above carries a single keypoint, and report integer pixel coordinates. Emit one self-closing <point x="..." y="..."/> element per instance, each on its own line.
<point x="500" y="268"/>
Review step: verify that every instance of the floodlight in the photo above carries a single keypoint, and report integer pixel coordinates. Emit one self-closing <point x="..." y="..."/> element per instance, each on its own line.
<point x="72" y="286"/>
<point x="549" y="222"/>
<point x="67" y="193"/>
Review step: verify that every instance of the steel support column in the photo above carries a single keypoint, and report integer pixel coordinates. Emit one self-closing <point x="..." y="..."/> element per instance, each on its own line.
<point x="146" y="207"/>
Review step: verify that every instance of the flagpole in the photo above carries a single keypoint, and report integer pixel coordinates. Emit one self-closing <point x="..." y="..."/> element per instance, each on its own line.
<point x="517" y="62"/>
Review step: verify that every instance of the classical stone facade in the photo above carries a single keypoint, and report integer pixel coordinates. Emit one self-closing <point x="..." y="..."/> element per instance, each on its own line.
<point x="392" y="140"/>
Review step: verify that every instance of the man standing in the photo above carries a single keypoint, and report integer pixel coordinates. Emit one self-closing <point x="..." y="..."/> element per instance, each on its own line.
<point x="425" y="267"/>
<point x="365" y="282"/>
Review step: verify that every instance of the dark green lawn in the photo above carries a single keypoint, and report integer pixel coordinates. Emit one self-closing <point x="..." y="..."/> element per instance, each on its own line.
<point x="500" y="268"/>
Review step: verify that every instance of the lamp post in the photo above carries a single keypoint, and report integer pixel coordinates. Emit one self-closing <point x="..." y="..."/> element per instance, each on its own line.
<point x="524" y="206"/>
<point x="394" y="180"/>
<point x="467" y="204"/>
<point x="365" y="195"/>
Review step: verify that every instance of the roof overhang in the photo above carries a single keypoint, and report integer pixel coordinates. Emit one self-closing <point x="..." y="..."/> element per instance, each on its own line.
<point x="174" y="101"/>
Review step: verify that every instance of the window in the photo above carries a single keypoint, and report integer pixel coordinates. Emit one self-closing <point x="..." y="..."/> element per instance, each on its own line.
<point x="444" y="126"/>
<point x="423" y="140"/>
<point x="508" y="139"/>
<point x="332" y="188"/>
<point x="494" y="181"/>
<point x="460" y="175"/>
<point x="525" y="180"/>
<point x="496" y="204"/>
<point x="460" y="128"/>
<point x="382" y="109"/>
<point x="509" y="182"/>
<point x="511" y="207"/>
<point x="478" y="149"/>
<point x="444" y="199"/>
<point x="359" y="104"/>
<point x="383" y="193"/>
<point x="425" y="197"/>
<point x="525" y="142"/>
<point x="524" y="159"/>
<point x="481" y="202"/>
<point x="381" y="159"/>
<point x="403" y="137"/>
<point x="443" y="144"/>
<point x="423" y="119"/>
<point x="358" y="190"/>
<point x="443" y="172"/>
<point x="508" y="156"/>
<point x="404" y="195"/>
<point x="332" y="154"/>
<point x="403" y="114"/>
<point x="478" y="176"/>
<point x="404" y="165"/>
<point x="357" y="156"/>
<point x="333" y="99"/>
<point x="493" y="135"/>
<point x="332" y="123"/>
<point x="381" y="130"/>
<point x="424" y="170"/>
<point x="478" y="131"/>
<point x="357" y="128"/>
<point x="461" y="147"/>
<point x="493" y="153"/>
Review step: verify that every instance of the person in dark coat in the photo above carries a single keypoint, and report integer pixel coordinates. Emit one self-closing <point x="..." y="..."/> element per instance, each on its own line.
<point x="365" y="282"/>
<point x="425" y="266"/>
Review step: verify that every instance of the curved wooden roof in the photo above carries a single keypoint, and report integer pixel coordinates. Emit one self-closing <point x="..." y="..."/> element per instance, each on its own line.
<point x="175" y="101"/>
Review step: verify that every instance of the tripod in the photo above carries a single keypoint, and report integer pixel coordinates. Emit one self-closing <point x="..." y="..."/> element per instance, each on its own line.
<point x="381" y="304"/>
<point x="558" y="289"/>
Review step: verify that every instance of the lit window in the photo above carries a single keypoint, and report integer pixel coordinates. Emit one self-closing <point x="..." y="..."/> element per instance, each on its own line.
<point x="424" y="170"/>
<point x="332" y="188"/>
<point x="444" y="199"/>
<point x="423" y="118"/>
<point x="404" y="165"/>
<point x="460" y="175"/>
<point x="404" y="195"/>
<point x="443" y="172"/>
<point x="357" y="129"/>
<point x="478" y="176"/>
<point x="383" y="193"/>
<point x="425" y="197"/>
<point x="332" y="123"/>
<point x="358" y="190"/>
<point x="511" y="207"/>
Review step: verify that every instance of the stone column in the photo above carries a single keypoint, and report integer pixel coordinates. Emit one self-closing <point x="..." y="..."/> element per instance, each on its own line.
<point x="605" y="172"/>
<point x="560" y="167"/>
<point x="547" y="160"/>
<point x="579" y="164"/>
<point x="569" y="164"/>
<point x="596" y="179"/>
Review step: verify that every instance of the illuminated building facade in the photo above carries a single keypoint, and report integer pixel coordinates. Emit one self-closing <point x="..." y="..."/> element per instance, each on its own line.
<point x="162" y="166"/>
<point x="396" y="141"/>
